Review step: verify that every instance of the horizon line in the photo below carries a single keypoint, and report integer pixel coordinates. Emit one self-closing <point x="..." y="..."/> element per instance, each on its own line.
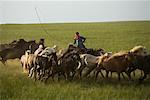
<point x="78" y="22"/>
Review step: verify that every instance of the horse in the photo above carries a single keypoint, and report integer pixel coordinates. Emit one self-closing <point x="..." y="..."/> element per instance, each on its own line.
<point x="88" y="61"/>
<point x="118" y="62"/>
<point x="43" y="62"/>
<point x="142" y="63"/>
<point x="139" y="50"/>
<point x="69" y="63"/>
<point x="18" y="50"/>
<point x="6" y="46"/>
<point x="24" y="59"/>
<point x="43" y="65"/>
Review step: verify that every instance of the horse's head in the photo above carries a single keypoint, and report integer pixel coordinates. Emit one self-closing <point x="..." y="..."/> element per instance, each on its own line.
<point x="72" y="47"/>
<point x="100" y="52"/>
<point x="139" y="50"/>
<point x="19" y="44"/>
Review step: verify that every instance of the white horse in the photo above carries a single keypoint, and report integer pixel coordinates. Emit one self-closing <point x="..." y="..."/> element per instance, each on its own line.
<point x="90" y="62"/>
<point x="24" y="59"/>
<point x="47" y="51"/>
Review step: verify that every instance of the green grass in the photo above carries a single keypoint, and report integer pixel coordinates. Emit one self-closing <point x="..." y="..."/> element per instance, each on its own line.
<point x="113" y="36"/>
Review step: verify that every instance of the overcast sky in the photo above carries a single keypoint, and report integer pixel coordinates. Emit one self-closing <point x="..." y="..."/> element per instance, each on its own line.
<point x="73" y="11"/>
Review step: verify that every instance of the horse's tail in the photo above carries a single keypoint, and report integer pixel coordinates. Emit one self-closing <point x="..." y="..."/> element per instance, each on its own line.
<point x="3" y="61"/>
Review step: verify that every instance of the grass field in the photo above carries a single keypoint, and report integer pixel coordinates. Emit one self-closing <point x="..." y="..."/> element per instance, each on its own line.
<point x="112" y="36"/>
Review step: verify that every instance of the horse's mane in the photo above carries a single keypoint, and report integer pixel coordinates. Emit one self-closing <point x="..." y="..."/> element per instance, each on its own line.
<point x="118" y="54"/>
<point x="136" y="48"/>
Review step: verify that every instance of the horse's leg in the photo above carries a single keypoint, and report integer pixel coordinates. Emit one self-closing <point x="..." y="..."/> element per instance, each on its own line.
<point x="79" y="72"/>
<point x="41" y="74"/>
<point x="123" y="75"/>
<point x="141" y="73"/>
<point x="134" y="73"/>
<point x="66" y="75"/>
<point x="107" y="73"/>
<point x="22" y="64"/>
<point x="142" y="78"/>
<point x="3" y="62"/>
<point x="96" y="74"/>
<point x="29" y="72"/>
<point x="99" y="69"/>
<point x="56" y="70"/>
<point x="111" y="74"/>
<point x="129" y="71"/>
<point x="44" y="73"/>
<point x="102" y="74"/>
<point x="50" y="75"/>
<point x="59" y="74"/>
<point x="80" y="75"/>
<point x="128" y="74"/>
<point x="25" y="68"/>
<point x="89" y="71"/>
<point x="53" y="77"/>
<point x="35" y="72"/>
<point x="73" y="74"/>
<point x="119" y="76"/>
<point x="94" y="71"/>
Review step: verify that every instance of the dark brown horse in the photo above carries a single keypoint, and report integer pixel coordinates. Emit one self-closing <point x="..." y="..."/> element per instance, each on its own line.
<point x="6" y="46"/>
<point x="142" y="63"/>
<point x="17" y="50"/>
<point x="69" y="63"/>
<point x="43" y="65"/>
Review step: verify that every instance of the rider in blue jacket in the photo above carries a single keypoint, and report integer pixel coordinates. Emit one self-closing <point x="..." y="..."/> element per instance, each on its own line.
<point x="79" y="40"/>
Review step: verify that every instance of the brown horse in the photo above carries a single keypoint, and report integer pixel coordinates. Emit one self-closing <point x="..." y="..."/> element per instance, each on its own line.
<point x="118" y="62"/>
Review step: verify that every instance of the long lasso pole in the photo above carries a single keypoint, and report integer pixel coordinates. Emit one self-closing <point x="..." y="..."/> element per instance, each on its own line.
<point x="40" y="20"/>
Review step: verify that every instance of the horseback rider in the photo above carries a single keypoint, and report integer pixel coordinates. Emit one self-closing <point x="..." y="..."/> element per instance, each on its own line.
<point x="79" y="40"/>
<point x="41" y="42"/>
<point x="39" y="50"/>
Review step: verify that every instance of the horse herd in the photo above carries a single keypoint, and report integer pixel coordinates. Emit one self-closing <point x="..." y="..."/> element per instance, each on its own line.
<point x="75" y="62"/>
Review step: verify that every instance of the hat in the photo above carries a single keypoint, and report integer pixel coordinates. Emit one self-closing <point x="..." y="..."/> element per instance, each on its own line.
<point x="77" y="33"/>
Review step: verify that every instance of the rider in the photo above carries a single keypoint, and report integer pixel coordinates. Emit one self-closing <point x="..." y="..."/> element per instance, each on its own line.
<point x="39" y="50"/>
<point x="79" y="40"/>
<point x="41" y="42"/>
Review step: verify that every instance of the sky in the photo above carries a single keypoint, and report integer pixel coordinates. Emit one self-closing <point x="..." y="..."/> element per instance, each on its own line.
<point x="73" y="11"/>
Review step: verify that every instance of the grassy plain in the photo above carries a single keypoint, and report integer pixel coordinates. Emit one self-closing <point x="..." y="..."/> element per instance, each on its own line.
<point x="112" y="36"/>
